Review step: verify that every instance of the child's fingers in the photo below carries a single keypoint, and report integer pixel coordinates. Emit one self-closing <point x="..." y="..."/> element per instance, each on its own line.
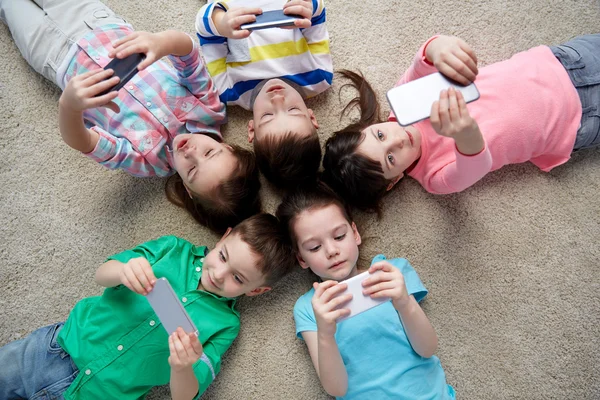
<point x="126" y="39"/>
<point x="180" y="347"/>
<point x="381" y="266"/>
<point x="242" y="19"/>
<point x="196" y="345"/>
<point x="378" y="287"/>
<point x="142" y="278"/>
<point x="248" y="11"/>
<point x="100" y="76"/>
<point x="444" y="116"/>
<point x="337" y="301"/>
<point x="333" y="291"/>
<point x="88" y="74"/>
<point x="297" y="9"/>
<point x="302" y="23"/>
<point x="101" y="86"/>
<point x="133" y="48"/>
<point x="469" y="52"/>
<point x="174" y="357"/>
<point x="462" y="105"/>
<point x="434" y="117"/>
<point x="342" y="312"/>
<point x="453" y="105"/>
<point x="244" y="33"/>
<point x="321" y="287"/>
<point x="133" y="280"/>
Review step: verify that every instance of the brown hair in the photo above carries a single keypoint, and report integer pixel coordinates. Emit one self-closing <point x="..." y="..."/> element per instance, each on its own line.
<point x="289" y="160"/>
<point x="269" y="240"/>
<point x="233" y="200"/>
<point x="357" y="178"/>
<point x="306" y="199"/>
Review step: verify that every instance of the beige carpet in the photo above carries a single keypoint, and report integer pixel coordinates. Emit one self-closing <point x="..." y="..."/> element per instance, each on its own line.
<point x="512" y="264"/>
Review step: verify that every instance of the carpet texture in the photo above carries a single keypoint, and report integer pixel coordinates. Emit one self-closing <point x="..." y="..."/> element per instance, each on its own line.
<point x="511" y="265"/>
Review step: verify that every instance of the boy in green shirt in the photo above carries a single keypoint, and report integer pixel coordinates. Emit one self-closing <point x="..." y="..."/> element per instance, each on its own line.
<point x="113" y="346"/>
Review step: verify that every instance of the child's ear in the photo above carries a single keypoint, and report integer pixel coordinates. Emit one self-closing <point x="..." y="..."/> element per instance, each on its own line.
<point x="227" y="232"/>
<point x="189" y="192"/>
<point x="250" y="131"/>
<point x="357" y="237"/>
<point x="257" y="291"/>
<point x="391" y="185"/>
<point x="301" y="261"/>
<point x="313" y="119"/>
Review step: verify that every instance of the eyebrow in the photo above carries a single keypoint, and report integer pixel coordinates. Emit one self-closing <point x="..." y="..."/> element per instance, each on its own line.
<point x="312" y="238"/>
<point x="291" y="115"/>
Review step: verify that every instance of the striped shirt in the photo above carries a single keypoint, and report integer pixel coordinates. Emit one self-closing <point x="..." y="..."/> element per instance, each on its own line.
<point x="157" y="104"/>
<point x="299" y="55"/>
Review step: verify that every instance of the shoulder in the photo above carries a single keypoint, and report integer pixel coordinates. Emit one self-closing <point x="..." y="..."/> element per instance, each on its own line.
<point x="304" y="301"/>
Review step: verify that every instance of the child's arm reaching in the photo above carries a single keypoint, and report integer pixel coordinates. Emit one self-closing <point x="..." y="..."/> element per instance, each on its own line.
<point x="136" y="274"/>
<point x="322" y="346"/>
<point x="185" y="349"/>
<point x="390" y="283"/>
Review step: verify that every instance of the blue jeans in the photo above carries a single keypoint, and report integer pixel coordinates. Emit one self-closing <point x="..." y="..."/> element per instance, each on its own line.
<point x="581" y="59"/>
<point x="36" y="367"/>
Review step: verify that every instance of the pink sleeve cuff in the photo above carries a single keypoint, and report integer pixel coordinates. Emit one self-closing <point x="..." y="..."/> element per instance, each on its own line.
<point x="105" y="148"/>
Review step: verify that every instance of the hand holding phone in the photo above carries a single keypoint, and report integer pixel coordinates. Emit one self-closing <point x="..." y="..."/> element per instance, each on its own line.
<point x="386" y="282"/>
<point x="184" y="350"/>
<point x="229" y="22"/>
<point x="272" y="19"/>
<point x="168" y="308"/>
<point x="412" y="101"/>
<point x="360" y="302"/>
<point x="125" y="69"/>
<point x="82" y="92"/>
<point x="329" y="305"/>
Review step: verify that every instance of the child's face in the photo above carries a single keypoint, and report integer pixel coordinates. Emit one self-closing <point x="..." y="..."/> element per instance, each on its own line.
<point x="229" y="270"/>
<point x="202" y="162"/>
<point x="327" y="242"/>
<point x="394" y="147"/>
<point x="279" y="108"/>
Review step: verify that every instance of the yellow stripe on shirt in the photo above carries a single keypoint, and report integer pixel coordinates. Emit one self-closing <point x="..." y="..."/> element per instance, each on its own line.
<point x="271" y="51"/>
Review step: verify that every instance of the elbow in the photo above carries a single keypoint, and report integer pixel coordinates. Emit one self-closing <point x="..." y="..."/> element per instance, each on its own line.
<point x="337" y="392"/>
<point x="429" y="351"/>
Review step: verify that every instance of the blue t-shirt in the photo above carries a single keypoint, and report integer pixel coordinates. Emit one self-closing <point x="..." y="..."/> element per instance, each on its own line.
<point x="379" y="360"/>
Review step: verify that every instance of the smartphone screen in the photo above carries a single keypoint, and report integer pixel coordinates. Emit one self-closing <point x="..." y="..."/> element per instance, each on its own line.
<point x="168" y="308"/>
<point x="360" y="302"/>
<point x="271" y="19"/>
<point x="411" y="102"/>
<point x="124" y="68"/>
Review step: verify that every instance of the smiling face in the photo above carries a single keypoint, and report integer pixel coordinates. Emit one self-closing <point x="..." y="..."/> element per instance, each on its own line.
<point x="230" y="269"/>
<point x="327" y="242"/>
<point x="279" y="108"/>
<point x="394" y="147"/>
<point x="202" y="162"/>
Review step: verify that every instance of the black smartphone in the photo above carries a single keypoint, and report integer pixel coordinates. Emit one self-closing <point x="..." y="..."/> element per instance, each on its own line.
<point x="271" y="19"/>
<point x="124" y="68"/>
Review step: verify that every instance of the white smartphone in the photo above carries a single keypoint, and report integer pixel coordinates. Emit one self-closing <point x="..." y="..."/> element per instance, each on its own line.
<point x="168" y="308"/>
<point x="359" y="303"/>
<point x="411" y="102"/>
<point x="271" y="19"/>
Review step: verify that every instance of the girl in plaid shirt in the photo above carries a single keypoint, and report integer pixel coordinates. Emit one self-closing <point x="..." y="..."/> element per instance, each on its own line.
<point x="164" y="122"/>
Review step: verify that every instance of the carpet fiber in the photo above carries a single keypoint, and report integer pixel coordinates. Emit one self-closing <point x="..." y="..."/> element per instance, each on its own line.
<point x="513" y="275"/>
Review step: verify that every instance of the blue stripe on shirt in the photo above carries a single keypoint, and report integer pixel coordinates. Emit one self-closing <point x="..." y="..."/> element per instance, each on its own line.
<point x="318" y="20"/>
<point x="210" y="40"/>
<point x="206" y="19"/>
<point x="303" y="79"/>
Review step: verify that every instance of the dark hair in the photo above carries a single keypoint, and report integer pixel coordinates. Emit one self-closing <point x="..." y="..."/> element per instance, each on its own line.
<point x="289" y="160"/>
<point x="268" y="239"/>
<point x="357" y="178"/>
<point x="232" y="201"/>
<point x="305" y="199"/>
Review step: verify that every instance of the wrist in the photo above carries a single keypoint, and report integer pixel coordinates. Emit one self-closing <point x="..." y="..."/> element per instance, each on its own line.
<point x="217" y="17"/>
<point x="405" y="306"/>
<point x="325" y="336"/>
<point x="65" y="108"/>
<point x="470" y="143"/>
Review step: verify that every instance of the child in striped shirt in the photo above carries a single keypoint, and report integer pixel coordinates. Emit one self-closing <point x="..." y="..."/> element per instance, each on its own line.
<point x="166" y="119"/>
<point x="271" y="72"/>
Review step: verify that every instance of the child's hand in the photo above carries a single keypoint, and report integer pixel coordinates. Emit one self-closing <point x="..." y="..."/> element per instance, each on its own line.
<point x="325" y="305"/>
<point x="228" y="22"/>
<point x="453" y="58"/>
<point x="387" y="283"/>
<point x="138" y="276"/>
<point x="450" y="117"/>
<point x="185" y="349"/>
<point x="79" y="95"/>
<point x="154" y="45"/>
<point x="303" y="8"/>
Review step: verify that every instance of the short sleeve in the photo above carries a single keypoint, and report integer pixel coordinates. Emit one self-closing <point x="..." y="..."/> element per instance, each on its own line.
<point x="413" y="283"/>
<point x="152" y="251"/>
<point x="304" y="315"/>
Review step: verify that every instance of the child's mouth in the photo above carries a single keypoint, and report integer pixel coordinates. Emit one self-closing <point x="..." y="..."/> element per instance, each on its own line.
<point x="274" y="88"/>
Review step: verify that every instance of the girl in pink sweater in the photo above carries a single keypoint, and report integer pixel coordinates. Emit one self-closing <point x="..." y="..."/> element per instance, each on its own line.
<point x="538" y="106"/>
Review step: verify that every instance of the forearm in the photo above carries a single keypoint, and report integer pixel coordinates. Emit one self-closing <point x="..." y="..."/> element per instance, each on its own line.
<point x="179" y="44"/>
<point x="332" y="371"/>
<point x="73" y="130"/>
<point x="108" y="274"/>
<point x="184" y="384"/>
<point x="419" y="330"/>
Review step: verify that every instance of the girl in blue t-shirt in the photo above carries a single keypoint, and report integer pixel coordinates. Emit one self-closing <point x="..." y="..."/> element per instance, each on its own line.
<point x="383" y="353"/>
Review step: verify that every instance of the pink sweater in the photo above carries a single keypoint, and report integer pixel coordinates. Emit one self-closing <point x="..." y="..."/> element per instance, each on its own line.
<point x="528" y="111"/>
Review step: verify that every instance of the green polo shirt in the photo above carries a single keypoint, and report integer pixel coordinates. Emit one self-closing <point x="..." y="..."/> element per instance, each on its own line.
<point x="119" y="344"/>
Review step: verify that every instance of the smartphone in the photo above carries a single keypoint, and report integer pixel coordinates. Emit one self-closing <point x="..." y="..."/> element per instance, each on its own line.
<point x="271" y="19"/>
<point x="169" y="309"/>
<point x="124" y="68"/>
<point x="411" y="102"/>
<point x="360" y="302"/>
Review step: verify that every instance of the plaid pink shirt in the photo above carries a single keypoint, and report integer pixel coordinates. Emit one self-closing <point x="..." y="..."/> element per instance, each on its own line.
<point x="157" y="104"/>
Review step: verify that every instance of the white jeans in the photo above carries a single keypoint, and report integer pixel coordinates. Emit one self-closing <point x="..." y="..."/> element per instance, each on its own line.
<point x="44" y="30"/>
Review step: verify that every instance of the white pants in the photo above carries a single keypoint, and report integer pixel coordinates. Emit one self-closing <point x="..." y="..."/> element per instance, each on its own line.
<point x="44" y="30"/>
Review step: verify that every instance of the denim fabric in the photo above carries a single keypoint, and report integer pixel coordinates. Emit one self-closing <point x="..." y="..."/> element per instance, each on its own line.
<point x="36" y="367"/>
<point x="581" y="59"/>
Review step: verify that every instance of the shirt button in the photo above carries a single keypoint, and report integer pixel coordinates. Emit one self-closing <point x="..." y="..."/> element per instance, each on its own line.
<point x="120" y="347"/>
<point x="130" y="87"/>
<point x="148" y="104"/>
<point x="97" y="57"/>
<point x="184" y="299"/>
<point x="152" y="323"/>
<point x="198" y="269"/>
<point x="88" y="371"/>
<point x="165" y="119"/>
<point x="201" y="259"/>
